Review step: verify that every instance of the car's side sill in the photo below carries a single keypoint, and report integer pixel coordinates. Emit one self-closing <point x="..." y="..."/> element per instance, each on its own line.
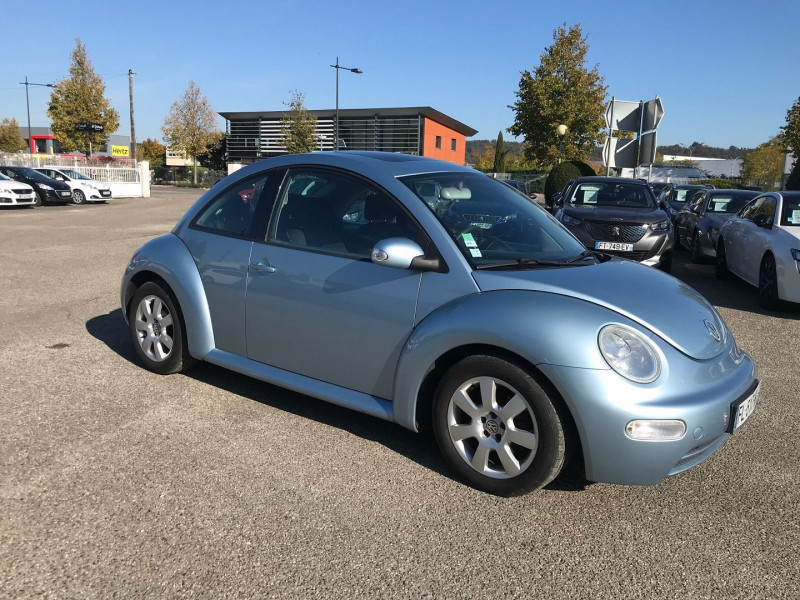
<point x="371" y="405"/>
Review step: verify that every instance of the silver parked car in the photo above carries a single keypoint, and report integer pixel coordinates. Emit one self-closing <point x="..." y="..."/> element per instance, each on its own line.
<point x="618" y="216"/>
<point x="426" y="293"/>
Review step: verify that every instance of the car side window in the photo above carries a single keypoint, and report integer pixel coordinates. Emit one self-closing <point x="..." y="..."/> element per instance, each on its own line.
<point x="749" y="211"/>
<point x="696" y="201"/>
<point x="333" y="212"/>
<point x="767" y="208"/>
<point x="231" y="212"/>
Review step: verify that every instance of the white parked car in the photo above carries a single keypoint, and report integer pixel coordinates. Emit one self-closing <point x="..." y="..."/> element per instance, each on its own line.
<point x="84" y="188"/>
<point x="761" y="244"/>
<point x="15" y="193"/>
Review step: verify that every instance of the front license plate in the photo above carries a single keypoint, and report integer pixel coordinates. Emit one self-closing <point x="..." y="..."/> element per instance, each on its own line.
<point x="742" y="409"/>
<point x="613" y="246"/>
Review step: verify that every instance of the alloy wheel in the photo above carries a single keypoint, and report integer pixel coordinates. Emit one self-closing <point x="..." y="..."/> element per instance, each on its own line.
<point x="154" y="328"/>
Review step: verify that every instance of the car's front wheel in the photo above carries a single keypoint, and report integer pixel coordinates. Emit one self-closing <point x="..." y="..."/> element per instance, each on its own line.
<point x="694" y="248"/>
<point x="78" y="197"/>
<point x="721" y="262"/>
<point x="498" y="427"/>
<point x="157" y="330"/>
<point x="37" y="199"/>
<point x="768" y="284"/>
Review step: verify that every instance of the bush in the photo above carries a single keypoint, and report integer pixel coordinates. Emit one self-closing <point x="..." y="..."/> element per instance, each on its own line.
<point x="793" y="181"/>
<point x="585" y="170"/>
<point x="558" y="178"/>
<point x="720" y="184"/>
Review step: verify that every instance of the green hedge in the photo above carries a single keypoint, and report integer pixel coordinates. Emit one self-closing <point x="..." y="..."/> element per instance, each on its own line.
<point x="558" y="178"/>
<point x="720" y="184"/>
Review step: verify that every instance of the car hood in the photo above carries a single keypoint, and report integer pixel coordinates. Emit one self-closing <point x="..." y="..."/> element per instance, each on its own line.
<point x="613" y="214"/>
<point x="664" y="305"/>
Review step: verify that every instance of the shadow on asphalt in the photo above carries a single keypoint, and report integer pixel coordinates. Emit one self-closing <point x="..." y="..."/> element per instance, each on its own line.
<point x="731" y="293"/>
<point x="421" y="448"/>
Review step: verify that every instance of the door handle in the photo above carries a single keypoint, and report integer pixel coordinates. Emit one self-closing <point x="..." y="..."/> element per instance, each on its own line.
<point x="261" y="267"/>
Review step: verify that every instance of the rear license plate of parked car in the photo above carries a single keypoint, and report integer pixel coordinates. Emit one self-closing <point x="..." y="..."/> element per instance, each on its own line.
<point x="613" y="246"/>
<point x="742" y="409"/>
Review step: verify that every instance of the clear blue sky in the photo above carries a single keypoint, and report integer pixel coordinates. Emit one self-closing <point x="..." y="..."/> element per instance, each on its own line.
<point x="726" y="70"/>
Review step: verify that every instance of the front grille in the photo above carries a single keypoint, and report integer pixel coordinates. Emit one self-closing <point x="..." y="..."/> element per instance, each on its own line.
<point x="481" y="218"/>
<point x="607" y="232"/>
<point x="22" y="192"/>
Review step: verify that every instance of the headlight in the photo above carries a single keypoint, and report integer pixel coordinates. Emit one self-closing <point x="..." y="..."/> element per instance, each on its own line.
<point x="44" y="186"/>
<point x="567" y="220"/>
<point x="629" y="353"/>
<point x="660" y="226"/>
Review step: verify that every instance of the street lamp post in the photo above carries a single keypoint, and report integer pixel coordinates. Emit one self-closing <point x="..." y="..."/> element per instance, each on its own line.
<point x="561" y="130"/>
<point x="338" y="67"/>
<point x="26" y="83"/>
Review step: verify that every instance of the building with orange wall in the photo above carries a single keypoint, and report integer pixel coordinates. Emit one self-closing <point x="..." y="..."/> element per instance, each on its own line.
<point x="421" y="131"/>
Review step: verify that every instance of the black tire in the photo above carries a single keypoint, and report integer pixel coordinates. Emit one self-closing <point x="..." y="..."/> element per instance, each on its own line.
<point x="529" y="436"/>
<point x="694" y="248"/>
<point x="37" y="199"/>
<point x="158" y="331"/>
<point x="78" y="197"/>
<point x="666" y="263"/>
<point x="768" y="284"/>
<point x="721" y="262"/>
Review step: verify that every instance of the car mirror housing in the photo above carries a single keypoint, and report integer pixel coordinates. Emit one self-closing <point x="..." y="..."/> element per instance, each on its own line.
<point x="398" y="253"/>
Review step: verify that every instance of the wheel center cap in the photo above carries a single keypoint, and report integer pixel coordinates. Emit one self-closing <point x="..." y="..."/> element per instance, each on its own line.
<point x="156" y="329"/>
<point x="492" y="427"/>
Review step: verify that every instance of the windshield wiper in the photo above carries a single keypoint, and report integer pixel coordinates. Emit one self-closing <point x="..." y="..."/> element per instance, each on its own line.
<point x="588" y="254"/>
<point x="524" y="262"/>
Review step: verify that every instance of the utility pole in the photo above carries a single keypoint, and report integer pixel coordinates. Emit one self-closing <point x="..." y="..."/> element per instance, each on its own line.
<point x="133" y="129"/>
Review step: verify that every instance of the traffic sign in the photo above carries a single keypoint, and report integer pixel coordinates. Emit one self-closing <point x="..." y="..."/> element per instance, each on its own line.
<point x="620" y="153"/>
<point x="647" y="148"/>
<point x="653" y="111"/>
<point x="622" y="115"/>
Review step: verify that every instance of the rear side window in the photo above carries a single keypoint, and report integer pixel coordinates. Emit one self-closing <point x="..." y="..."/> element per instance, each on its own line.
<point x="231" y="213"/>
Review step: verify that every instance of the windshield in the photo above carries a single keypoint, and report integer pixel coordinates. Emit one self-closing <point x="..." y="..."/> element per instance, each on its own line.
<point x="36" y="176"/>
<point x="492" y="224"/>
<point x="729" y="202"/>
<point x="612" y="194"/>
<point x="75" y="174"/>
<point x="4" y="178"/>
<point x="790" y="214"/>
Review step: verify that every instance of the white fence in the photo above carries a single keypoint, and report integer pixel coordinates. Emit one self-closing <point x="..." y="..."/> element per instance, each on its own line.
<point x="125" y="182"/>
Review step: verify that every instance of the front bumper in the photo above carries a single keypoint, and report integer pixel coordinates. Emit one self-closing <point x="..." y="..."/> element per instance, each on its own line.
<point x="14" y="199"/>
<point x="650" y="249"/>
<point x="699" y="393"/>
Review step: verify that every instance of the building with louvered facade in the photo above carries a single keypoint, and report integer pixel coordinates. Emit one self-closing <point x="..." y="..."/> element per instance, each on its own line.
<point x="421" y="131"/>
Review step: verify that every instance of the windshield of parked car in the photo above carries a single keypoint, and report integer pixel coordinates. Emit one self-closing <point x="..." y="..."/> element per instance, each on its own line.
<point x="729" y="202"/>
<point x="790" y="215"/>
<point x="611" y="195"/>
<point x="36" y="176"/>
<point x="493" y="225"/>
<point x="75" y="174"/>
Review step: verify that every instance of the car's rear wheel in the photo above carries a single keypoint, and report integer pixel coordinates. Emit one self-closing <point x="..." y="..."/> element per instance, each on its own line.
<point x="721" y="262"/>
<point x="498" y="428"/>
<point x="157" y="330"/>
<point x="768" y="284"/>
<point x="78" y="197"/>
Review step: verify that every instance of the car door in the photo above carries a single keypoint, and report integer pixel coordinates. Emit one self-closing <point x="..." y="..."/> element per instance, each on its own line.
<point x="734" y="236"/>
<point x="756" y="240"/>
<point x="220" y="239"/>
<point x="687" y="218"/>
<point x="316" y="304"/>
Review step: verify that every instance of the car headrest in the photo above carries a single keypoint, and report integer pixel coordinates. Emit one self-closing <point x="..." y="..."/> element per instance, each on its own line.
<point x="451" y="193"/>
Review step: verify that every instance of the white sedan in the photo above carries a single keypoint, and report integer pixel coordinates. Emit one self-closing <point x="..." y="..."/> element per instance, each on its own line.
<point x="84" y="188"/>
<point x="15" y="193"/>
<point x="761" y="244"/>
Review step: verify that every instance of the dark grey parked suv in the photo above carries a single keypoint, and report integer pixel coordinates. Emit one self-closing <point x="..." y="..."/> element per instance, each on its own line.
<point x="618" y="216"/>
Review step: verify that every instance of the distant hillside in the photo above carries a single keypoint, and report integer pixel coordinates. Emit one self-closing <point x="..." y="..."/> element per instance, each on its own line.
<point x="477" y="147"/>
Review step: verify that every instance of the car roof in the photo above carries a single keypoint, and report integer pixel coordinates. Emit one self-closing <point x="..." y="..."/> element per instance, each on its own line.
<point x="605" y="179"/>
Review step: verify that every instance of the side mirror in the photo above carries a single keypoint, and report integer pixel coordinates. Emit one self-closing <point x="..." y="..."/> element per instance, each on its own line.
<point x="398" y="253"/>
<point x="762" y="220"/>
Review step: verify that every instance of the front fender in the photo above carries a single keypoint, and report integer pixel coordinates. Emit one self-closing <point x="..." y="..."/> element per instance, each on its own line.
<point x="168" y="258"/>
<point x="540" y="327"/>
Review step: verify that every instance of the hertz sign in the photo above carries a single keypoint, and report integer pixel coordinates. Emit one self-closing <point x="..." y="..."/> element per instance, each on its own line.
<point x="120" y="151"/>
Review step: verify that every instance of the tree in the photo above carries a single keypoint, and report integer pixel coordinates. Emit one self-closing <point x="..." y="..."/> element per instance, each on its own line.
<point x="80" y="99"/>
<point x="790" y="133"/>
<point x="10" y="137"/>
<point x="215" y="155"/>
<point x="298" y="126"/>
<point x="153" y="152"/>
<point x="558" y="177"/>
<point x="190" y="125"/>
<point x="485" y="160"/>
<point x="560" y="91"/>
<point x="500" y="155"/>
<point x="793" y="181"/>
<point x="764" y="165"/>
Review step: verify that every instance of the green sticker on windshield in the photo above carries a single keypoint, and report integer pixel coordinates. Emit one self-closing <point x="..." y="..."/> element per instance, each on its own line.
<point x="469" y="241"/>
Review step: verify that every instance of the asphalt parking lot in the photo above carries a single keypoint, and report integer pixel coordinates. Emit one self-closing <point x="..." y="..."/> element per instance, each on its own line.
<point x="115" y="482"/>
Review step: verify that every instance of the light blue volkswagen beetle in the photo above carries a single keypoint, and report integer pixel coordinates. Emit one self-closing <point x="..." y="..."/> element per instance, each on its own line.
<point x="426" y="293"/>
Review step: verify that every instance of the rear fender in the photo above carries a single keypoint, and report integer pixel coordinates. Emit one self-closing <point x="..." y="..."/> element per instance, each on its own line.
<point x="168" y="258"/>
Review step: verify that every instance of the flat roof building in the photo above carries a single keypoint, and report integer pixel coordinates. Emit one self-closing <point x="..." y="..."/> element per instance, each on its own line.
<point x="421" y="131"/>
